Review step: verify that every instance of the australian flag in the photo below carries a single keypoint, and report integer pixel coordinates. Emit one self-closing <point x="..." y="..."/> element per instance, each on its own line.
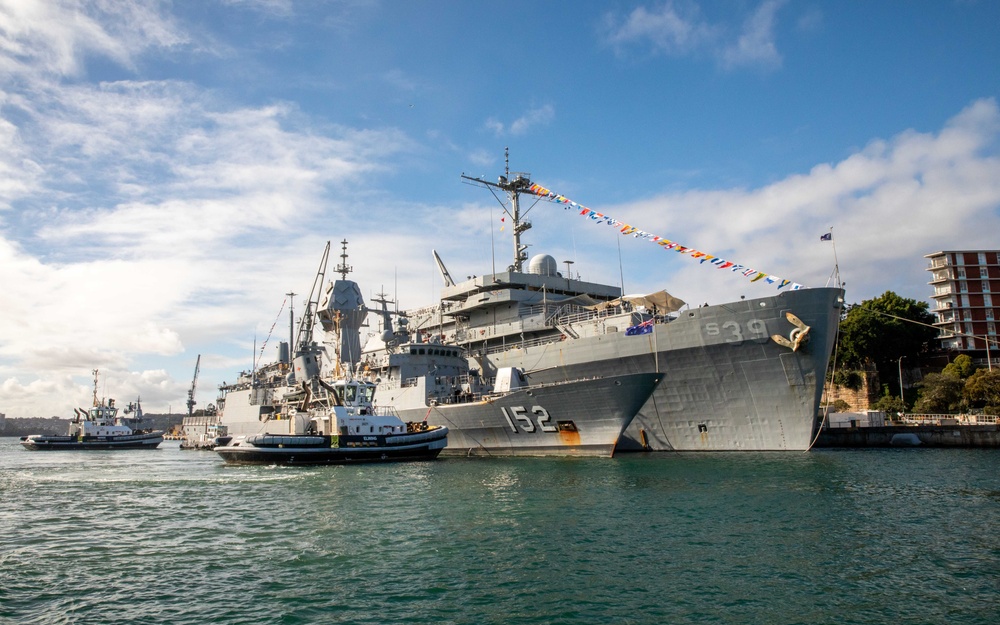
<point x="643" y="328"/>
<point x="827" y="237"/>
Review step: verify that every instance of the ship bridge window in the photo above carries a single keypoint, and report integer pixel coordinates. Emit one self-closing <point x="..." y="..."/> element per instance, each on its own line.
<point x="367" y="393"/>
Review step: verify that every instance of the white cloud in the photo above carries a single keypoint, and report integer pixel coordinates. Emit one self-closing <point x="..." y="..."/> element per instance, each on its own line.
<point x="669" y="29"/>
<point x="538" y="116"/>
<point x="54" y="36"/>
<point x="678" y="29"/>
<point x="755" y="45"/>
<point x="888" y="204"/>
<point x="144" y="217"/>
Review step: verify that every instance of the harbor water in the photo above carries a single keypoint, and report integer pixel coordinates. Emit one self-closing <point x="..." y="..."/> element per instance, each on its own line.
<point x="829" y="536"/>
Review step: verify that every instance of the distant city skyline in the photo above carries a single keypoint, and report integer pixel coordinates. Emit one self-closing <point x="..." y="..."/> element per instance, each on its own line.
<point x="169" y="171"/>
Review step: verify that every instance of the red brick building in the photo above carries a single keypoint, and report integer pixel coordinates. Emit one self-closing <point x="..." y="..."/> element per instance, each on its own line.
<point x="967" y="301"/>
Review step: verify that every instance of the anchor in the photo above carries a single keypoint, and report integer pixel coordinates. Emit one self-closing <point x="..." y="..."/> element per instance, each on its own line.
<point x="798" y="335"/>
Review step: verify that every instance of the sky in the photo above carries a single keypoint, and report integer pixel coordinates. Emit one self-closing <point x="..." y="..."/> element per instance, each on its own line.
<point x="170" y="170"/>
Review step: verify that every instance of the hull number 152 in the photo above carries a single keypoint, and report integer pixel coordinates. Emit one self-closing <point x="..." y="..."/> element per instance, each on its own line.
<point x="520" y="416"/>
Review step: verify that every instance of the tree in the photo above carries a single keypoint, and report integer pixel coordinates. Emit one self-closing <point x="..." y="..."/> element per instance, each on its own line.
<point x="890" y="404"/>
<point x="940" y="393"/>
<point x="881" y="330"/>
<point x="962" y="367"/>
<point x="982" y="390"/>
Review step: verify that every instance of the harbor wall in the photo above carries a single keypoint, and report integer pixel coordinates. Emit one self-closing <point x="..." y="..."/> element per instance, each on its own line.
<point x="970" y="436"/>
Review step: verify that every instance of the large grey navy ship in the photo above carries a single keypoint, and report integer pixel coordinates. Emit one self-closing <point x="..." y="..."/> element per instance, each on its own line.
<point x="740" y="376"/>
<point x="423" y="381"/>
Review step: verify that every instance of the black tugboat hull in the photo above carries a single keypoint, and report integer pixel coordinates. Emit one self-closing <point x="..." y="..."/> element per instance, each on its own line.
<point x="52" y="443"/>
<point x="270" y="449"/>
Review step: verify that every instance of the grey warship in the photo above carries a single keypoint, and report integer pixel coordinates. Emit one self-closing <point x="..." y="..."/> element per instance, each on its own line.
<point x="421" y="381"/>
<point x="740" y="376"/>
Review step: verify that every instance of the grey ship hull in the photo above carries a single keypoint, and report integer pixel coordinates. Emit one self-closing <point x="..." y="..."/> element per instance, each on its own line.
<point x="588" y="417"/>
<point x="579" y="418"/>
<point x="726" y="385"/>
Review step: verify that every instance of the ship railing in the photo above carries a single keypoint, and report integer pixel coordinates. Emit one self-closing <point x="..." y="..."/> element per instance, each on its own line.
<point x="420" y="312"/>
<point x="496" y="349"/>
<point x="949" y="419"/>
<point x="582" y="313"/>
<point x="459" y="398"/>
<point x="200" y="420"/>
<point x="385" y="411"/>
<point x="408" y="382"/>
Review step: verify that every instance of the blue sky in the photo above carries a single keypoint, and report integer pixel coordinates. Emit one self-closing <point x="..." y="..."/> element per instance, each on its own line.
<point x="169" y="170"/>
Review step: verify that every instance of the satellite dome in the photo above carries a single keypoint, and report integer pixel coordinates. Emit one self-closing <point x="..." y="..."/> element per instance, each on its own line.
<point x="543" y="265"/>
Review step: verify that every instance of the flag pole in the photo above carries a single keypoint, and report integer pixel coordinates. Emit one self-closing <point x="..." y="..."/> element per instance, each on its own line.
<point x="836" y="263"/>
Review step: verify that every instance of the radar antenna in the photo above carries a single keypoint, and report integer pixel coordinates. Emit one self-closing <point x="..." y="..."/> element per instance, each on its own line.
<point x="343" y="268"/>
<point x="512" y="184"/>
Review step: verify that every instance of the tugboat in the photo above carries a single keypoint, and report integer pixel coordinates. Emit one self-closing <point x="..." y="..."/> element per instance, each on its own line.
<point x="343" y="427"/>
<point x="100" y="427"/>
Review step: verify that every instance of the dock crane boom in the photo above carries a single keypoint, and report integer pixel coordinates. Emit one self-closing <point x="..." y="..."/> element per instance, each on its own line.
<point x="194" y="384"/>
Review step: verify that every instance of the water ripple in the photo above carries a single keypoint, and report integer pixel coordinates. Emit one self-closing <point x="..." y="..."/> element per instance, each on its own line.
<point x="171" y="536"/>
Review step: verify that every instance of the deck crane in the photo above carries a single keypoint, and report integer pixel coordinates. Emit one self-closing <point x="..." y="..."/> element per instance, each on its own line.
<point x="194" y="384"/>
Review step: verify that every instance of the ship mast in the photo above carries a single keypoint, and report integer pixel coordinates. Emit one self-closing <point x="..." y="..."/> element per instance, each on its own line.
<point x="512" y="184"/>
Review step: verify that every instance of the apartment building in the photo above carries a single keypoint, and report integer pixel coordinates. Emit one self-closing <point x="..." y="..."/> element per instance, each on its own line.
<point x="967" y="300"/>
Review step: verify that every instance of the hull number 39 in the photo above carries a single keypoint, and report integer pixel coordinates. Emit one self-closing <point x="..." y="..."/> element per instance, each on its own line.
<point x="733" y="332"/>
<point x="521" y="419"/>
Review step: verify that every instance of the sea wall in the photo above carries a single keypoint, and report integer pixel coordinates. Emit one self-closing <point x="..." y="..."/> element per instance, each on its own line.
<point x="986" y="436"/>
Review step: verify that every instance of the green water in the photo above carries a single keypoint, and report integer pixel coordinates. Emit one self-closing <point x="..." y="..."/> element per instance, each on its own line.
<point x="171" y="536"/>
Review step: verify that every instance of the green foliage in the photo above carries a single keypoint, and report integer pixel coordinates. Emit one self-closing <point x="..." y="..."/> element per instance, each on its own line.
<point x="962" y="367"/>
<point x="940" y="393"/>
<point x="882" y="330"/>
<point x="889" y="404"/>
<point x="982" y="388"/>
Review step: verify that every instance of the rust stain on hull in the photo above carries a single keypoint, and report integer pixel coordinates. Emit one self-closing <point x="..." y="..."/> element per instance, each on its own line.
<point x="569" y="438"/>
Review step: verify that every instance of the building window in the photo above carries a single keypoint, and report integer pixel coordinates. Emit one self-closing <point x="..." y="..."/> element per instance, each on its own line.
<point x="982" y="258"/>
<point x="983" y="273"/>
<point x="987" y="300"/>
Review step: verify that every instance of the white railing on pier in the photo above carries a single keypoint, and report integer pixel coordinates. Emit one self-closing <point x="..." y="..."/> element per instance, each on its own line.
<point x="950" y="419"/>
